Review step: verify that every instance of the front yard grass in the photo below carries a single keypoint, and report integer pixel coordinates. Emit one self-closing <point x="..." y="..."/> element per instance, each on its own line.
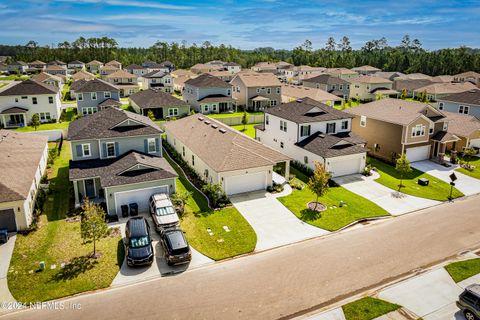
<point x="436" y="190"/>
<point x="332" y="219"/>
<point x="462" y="270"/>
<point x="231" y="115"/>
<point x="249" y="129"/>
<point x="474" y="161"/>
<point x="57" y="241"/>
<point x="368" y="308"/>
<point x="67" y="118"/>
<point x="199" y="217"/>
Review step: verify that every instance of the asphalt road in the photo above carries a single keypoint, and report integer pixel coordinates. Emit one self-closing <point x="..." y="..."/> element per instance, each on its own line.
<point x="288" y="281"/>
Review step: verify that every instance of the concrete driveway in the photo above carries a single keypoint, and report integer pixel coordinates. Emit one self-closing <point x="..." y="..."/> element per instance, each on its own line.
<point x="159" y="267"/>
<point x="273" y="223"/>
<point x="6" y="251"/>
<point x="467" y="185"/>
<point x="395" y="203"/>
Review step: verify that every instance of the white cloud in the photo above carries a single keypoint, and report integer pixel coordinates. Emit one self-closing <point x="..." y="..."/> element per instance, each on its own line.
<point x="135" y="3"/>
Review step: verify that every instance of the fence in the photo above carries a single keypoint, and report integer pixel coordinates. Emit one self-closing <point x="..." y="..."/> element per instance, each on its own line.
<point x="52" y="135"/>
<point x="236" y="121"/>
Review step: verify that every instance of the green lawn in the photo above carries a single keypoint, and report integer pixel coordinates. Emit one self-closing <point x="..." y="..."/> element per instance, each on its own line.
<point x="333" y="218"/>
<point x="437" y="189"/>
<point x="198" y="218"/>
<point x="57" y="241"/>
<point x="231" y="115"/>
<point x="462" y="270"/>
<point x="3" y="84"/>
<point x="347" y="105"/>
<point x="15" y="77"/>
<point x="368" y="308"/>
<point x="474" y="161"/>
<point x="67" y="118"/>
<point x="249" y="129"/>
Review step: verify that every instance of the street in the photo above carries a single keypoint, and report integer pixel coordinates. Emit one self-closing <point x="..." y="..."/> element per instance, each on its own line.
<point x="289" y="281"/>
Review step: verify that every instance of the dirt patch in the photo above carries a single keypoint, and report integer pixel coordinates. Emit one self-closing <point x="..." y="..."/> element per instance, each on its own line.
<point x="316" y="206"/>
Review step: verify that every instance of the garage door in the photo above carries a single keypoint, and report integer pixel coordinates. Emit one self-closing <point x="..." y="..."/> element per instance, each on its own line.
<point x="475" y="143"/>
<point x="418" y="153"/>
<point x="246" y="183"/>
<point x="140" y="196"/>
<point x="343" y="167"/>
<point x="7" y="220"/>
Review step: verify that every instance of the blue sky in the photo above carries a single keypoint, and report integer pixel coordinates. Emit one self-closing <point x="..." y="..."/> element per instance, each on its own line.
<point x="243" y="24"/>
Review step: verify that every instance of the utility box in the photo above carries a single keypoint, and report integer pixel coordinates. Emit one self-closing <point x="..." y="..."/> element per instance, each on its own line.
<point x="423" y="181"/>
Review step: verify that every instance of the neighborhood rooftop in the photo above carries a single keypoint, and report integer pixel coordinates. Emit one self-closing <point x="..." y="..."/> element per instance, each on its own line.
<point x="28" y="87"/>
<point x="151" y="98"/>
<point x="97" y="85"/>
<point x="468" y="97"/>
<point x="207" y="80"/>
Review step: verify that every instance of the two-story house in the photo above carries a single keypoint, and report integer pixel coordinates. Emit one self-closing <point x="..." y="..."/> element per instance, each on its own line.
<point x="409" y="85"/>
<point x="232" y="67"/>
<point x="94" y="66"/>
<point x="117" y="160"/>
<point x="57" y="63"/>
<point x="76" y="65"/>
<point x="392" y="127"/>
<point x="57" y="70"/>
<point x="368" y="88"/>
<point x="106" y="70"/>
<point x="437" y="91"/>
<point x="366" y="70"/>
<point x="83" y="75"/>
<point x="256" y="91"/>
<point x="37" y="65"/>
<point x="467" y="102"/>
<point x="114" y="63"/>
<point x="296" y="74"/>
<point x="18" y="67"/>
<point x="343" y="73"/>
<point x="334" y="85"/>
<point x="209" y="94"/>
<point x="308" y="131"/>
<point x="158" y="80"/>
<point x="49" y="79"/>
<point x="20" y="102"/>
<point x="469" y="76"/>
<point x="95" y="95"/>
<point x="125" y="81"/>
<point x="136" y="69"/>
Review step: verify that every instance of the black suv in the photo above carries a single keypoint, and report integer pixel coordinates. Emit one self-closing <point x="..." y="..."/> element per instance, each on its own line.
<point x="469" y="302"/>
<point x="175" y="246"/>
<point x="138" y="244"/>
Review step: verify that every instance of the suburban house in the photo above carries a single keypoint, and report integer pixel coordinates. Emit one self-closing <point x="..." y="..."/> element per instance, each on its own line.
<point x="232" y="67"/>
<point x="366" y="70"/>
<point x="308" y="131"/>
<point x="436" y="91"/>
<point x="179" y="77"/>
<point x="368" y="88"/>
<point x="82" y="74"/>
<point x="106" y="70"/>
<point x="20" y="102"/>
<point x="331" y="84"/>
<point x="394" y="126"/>
<point x="168" y="65"/>
<point x="126" y="82"/>
<point x="163" y="105"/>
<point x="342" y="73"/>
<point x="57" y="63"/>
<point x="95" y="95"/>
<point x="442" y="78"/>
<point x="256" y="91"/>
<point x="220" y="154"/>
<point x="209" y="94"/>
<point x="415" y="76"/>
<point x="94" y="66"/>
<point x="23" y="159"/>
<point x="469" y="76"/>
<point x="76" y="65"/>
<point x="37" y="65"/>
<point x="18" y="67"/>
<point x="117" y="160"/>
<point x="114" y="63"/>
<point x="410" y="85"/>
<point x="49" y="79"/>
<point x="137" y="70"/>
<point x="223" y="75"/>
<point x="466" y="128"/>
<point x="77" y="84"/>
<point x="158" y="80"/>
<point x="389" y="75"/>
<point x="277" y="68"/>
<point x="291" y="93"/>
<point x="467" y="102"/>
<point x="296" y="74"/>
<point x="200" y="68"/>
<point x="57" y="70"/>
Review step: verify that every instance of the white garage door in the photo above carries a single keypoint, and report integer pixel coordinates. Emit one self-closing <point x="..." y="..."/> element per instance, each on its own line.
<point x="342" y="167"/>
<point x="246" y="183"/>
<point x="418" y="153"/>
<point x="140" y="196"/>
<point x="475" y="143"/>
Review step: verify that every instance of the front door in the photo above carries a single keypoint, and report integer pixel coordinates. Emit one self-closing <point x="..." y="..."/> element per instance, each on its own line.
<point x="16" y="119"/>
<point x="89" y="188"/>
<point x="435" y="149"/>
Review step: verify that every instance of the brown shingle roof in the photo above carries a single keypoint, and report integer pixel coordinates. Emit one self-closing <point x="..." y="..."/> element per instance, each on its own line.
<point x="95" y="62"/>
<point x="28" y="87"/>
<point x="330" y="146"/>
<point x="222" y="152"/>
<point x="370" y="79"/>
<point x="410" y="84"/>
<point x="150" y="99"/>
<point x="121" y="74"/>
<point x="313" y="93"/>
<point x="82" y="74"/>
<point x="42" y="76"/>
<point x="258" y="79"/>
<point x="447" y="88"/>
<point x="20" y="155"/>
<point x="365" y="68"/>
<point x="55" y="67"/>
<point x="326" y="79"/>
<point x="469" y="97"/>
<point x="97" y="85"/>
<point x="206" y="80"/>
<point x="462" y="125"/>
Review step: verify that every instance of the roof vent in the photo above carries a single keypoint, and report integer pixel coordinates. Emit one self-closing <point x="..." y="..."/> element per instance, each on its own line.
<point x="207" y="122"/>
<point x="222" y="130"/>
<point x="214" y="126"/>
<point x="299" y="100"/>
<point x="201" y="118"/>
<point x="321" y="135"/>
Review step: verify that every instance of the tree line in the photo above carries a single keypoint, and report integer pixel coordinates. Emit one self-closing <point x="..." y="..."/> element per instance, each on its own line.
<point x="408" y="57"/>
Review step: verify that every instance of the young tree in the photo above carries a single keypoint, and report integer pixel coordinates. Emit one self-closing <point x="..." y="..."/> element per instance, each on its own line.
<point x="93" y="226"/>
<point x="403" y="167"/>
<point x="403" y="96"/>
<point x="318" y="183"/>
<point x="469" y="153"/>
<point x="244" y="120"/>
<point x="214" y="192"/>
<point x="35" y="121"/>
<point x="151" y="115"/>
<point x="179" y="199"/>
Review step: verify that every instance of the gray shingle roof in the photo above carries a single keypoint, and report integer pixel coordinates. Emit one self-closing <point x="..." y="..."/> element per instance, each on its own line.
<point x="206" y="80"/>
<point x="326" y="79"/>
<point x="97" y="85"/>
<point x="330" y="146"/>
<point x="28" y="87"/>
<point x="149" y="99"/>
<point x="469" y="97"/>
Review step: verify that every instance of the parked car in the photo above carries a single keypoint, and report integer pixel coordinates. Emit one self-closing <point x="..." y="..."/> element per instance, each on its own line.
<point x="3" y="235"/>
<point x="162" y="211"/>
<point x="469" y="302"/>
<point x="138" y="243"/>
<point x="175" y="246"/>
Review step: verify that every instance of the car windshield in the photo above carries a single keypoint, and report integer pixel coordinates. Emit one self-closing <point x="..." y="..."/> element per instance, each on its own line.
<point x="139" y="242"/>
<point x="164" y="211"/>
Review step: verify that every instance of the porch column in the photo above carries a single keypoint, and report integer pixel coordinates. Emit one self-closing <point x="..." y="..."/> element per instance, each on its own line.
<point x="75" y="190"/>
<point x="287" y="169"/>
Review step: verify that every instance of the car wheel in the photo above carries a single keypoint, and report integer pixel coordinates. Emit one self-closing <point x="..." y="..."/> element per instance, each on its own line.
<point x="469" y="315"/>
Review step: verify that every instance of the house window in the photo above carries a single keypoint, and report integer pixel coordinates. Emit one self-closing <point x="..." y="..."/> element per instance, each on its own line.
<point x="258" y="90"/>
<point x="305" y="159"/>
<point x="281" y="145"/>
<point x="152" y="145"/>
<point x="305" y="131"/>
<point x="193" y="160"/>
<point x="50" y="100"/>
<point x="24" y="97"/>
<point x="89" y="110"/>
<point x="183" y="151"/>
<point x="44" y="116"/>
<point x="278" y="90"/>
<point x="107" y="94"/>
<point x="80" y="96"/>
<point x="331" y="127"/>
<point x="205" y="108"/>
<point x="229" y="92"/>
<point x="431" y="128"/>
<point x="172" y="112"/>
<point x="93" y="95"/>
<point x="445" y="126"/>
<point x="345" y="125"/>
<point x="340" y="87"/>
<point x="34" y="100"/>
<point x="86" y="150"/>
<point x="214" y="107"/>
<point x="363" y="121"/>
<point x="273" y="103"/>
<point x="283" y="126"/>
<point x="16" y="99"/>
<point x="269" y="90"/>
<point x="418" y="130"/>
<point x="267" y="120"/>
<point x="110" y="149"/>
<point x="440" y="106"/>
<point x="334" y="87"/>
<point x="463" y="109"/>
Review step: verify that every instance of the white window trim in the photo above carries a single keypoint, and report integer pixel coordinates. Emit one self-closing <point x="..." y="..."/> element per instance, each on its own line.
<point x="106" y="149"/>
<point x="174" y="112"/>
<point x="107" y="94"/>
<point x="89" y="150"/>
<point x="363" y="121"/>
<point x="418" y="127"/>
<point x="149" y="140"/>
<point x="344" y="122"/>
<point x="92" y="94"/>
<point x="80" y="96"/>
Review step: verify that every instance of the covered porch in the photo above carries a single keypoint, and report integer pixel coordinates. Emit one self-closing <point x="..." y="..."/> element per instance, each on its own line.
<point x="88" y="188"/>
<point x="385" y="93"/>
<point x="218" y="104"/>
<point x="259" y="103"/>
<point x="443" y="141"/>
<point x="14" y="117"/>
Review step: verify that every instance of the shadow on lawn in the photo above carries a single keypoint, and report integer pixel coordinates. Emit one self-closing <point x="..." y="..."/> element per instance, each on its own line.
<point x="58" y="201"/>
<point x="309" y="215"/>
<point x="120" y="253"/>
<point x="74" y="268"/>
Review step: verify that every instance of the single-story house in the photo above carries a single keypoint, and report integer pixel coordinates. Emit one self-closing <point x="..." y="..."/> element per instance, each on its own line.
<point x="162" y="104"/>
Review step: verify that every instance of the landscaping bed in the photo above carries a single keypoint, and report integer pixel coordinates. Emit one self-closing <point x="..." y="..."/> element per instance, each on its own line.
<point x="474" y="161"/>
<point x="436" y="190"/>
<point x="335" y="217"/>
<point x="65" y="118"/>
<point x="462" y="270"/>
